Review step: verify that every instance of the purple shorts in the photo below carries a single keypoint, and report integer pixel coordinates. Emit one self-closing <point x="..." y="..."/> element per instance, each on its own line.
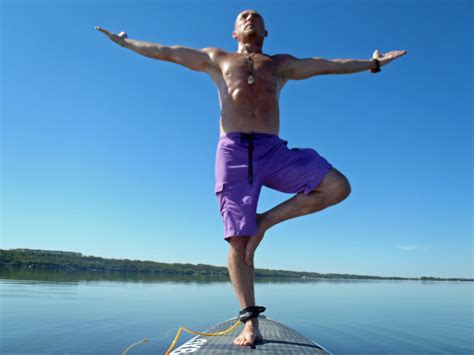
<point x="247" y="161"/>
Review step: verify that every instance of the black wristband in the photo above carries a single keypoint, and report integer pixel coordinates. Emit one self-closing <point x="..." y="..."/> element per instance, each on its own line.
<point x="377" y="66"/>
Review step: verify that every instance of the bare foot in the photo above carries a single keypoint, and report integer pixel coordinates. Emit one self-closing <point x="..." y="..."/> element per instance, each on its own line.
<point x="255" y="240"/>
<point x="250" y="335"/>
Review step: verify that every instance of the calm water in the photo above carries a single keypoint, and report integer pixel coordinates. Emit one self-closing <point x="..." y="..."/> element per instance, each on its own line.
<point x="82" y="313"/>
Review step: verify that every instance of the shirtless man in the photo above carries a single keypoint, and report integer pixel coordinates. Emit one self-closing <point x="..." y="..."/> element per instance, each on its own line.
<point x="250" y="153"/>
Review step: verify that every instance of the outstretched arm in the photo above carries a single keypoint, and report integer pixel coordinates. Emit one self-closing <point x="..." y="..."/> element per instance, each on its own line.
<point x="195" y="59"/>
<point x="298" y="69"/>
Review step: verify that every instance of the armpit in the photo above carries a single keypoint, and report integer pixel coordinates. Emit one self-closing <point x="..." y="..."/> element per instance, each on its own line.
<point x="283" y="64"/>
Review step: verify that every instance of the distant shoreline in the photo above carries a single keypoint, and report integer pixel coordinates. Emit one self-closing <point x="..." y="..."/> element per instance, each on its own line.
<point x="65" y="260"/>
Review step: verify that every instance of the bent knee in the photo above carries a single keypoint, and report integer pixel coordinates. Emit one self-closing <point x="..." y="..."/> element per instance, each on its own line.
<point x="340" y="190"/>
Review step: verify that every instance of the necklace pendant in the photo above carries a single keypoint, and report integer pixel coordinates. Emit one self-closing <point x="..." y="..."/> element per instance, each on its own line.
<point x="251" y="79"/>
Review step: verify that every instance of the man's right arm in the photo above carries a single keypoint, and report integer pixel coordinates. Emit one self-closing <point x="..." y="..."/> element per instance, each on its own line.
<point x="195" y="59"/>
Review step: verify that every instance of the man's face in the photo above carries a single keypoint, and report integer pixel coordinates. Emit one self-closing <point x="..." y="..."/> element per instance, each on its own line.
<point x="249" y="24"/>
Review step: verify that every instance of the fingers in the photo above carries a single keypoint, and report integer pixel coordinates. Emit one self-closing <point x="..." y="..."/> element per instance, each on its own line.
<point x="398" y="53"/>
<point x="103" y="30"/>
<point x="389" y="56"/>
<point x="378" y="54"/>
<point x="116" y="38"/>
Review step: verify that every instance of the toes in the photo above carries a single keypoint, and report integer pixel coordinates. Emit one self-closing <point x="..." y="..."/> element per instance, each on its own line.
<point x="248" y="338"/>
<point x="239" y="341"/>
<point x="242" y="341"/>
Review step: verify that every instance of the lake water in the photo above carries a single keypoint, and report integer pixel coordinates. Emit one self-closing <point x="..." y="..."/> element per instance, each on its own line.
<point x="87" y="313"/>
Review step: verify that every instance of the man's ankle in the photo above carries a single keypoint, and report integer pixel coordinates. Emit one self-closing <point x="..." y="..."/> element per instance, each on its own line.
<point x="252" y="321"/>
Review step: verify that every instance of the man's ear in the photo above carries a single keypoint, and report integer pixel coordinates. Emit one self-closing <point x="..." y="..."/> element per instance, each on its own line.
<point x="234" y="35"/>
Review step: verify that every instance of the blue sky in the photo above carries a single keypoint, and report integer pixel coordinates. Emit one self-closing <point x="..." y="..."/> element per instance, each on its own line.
<point x="109" y="153"/>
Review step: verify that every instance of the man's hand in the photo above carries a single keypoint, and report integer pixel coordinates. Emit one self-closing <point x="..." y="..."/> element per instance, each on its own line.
<point x="119" y="39"/>
<point x="387" y="57"/>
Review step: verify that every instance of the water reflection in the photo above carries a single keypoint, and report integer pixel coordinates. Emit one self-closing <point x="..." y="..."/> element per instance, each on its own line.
<point x="77" y="312"/>
<point x="76" y="276"/>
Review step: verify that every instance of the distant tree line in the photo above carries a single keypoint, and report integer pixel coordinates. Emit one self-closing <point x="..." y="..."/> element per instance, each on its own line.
<point x="64" y="260"/>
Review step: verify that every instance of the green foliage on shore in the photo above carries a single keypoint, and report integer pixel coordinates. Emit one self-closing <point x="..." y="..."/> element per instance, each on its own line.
<point x="63" y="260"/>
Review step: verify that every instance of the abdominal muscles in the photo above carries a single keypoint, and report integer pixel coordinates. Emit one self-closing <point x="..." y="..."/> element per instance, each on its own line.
<point x="250" y="110"/>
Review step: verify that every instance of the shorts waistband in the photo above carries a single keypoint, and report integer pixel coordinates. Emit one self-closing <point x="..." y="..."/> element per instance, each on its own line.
<point x="254" y="135"/>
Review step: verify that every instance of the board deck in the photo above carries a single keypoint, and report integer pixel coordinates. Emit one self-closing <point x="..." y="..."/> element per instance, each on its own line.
<point x="278" y="339"/>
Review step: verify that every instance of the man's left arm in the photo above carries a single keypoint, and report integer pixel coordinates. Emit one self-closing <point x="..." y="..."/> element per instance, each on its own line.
<point x="298" y="69"/>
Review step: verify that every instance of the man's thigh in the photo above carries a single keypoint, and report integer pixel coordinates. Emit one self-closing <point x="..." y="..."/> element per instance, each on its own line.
<point x="295" y="170"/>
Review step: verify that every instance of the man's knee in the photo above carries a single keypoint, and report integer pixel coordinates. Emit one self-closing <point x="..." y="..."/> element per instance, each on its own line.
<point x="342" y="190"/>
<point x="336" y="186"/>
<point x="237" y="244"/>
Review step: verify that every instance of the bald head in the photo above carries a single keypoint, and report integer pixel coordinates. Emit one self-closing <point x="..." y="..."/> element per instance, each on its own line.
<point x="249" y="24"/>
<point x="246" y="13"/>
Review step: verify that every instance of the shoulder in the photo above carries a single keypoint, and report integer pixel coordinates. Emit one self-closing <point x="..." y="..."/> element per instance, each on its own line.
<point x="216" y="55"/>
<point x="283" y="62"/>
<point x="214" y="52"/>
<point x="283" y="57"/>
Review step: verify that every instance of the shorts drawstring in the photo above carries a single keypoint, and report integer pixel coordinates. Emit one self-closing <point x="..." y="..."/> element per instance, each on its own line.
<point x="249" y="138"/>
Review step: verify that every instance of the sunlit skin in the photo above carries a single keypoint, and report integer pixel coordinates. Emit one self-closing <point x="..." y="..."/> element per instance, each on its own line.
<point x="254" y="107"/>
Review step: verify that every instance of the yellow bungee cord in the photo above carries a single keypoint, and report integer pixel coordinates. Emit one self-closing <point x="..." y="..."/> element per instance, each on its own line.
<point x="178" y="334"/>
<point x="244" y="315"/>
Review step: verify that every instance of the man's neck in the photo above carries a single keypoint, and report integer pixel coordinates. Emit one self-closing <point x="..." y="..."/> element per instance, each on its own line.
<point x="248" y="48"/>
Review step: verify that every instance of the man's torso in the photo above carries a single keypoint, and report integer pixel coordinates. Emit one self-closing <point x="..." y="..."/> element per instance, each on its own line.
<point x="248" y="107"/>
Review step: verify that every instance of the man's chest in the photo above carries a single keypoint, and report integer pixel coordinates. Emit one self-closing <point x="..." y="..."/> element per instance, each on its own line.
<point x="250" y="70"/>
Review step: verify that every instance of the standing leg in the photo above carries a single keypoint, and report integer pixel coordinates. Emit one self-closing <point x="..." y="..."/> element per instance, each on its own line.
<point x="242" y="277"/>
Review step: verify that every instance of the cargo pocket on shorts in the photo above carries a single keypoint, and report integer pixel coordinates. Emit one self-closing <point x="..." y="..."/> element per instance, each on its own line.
<point x="218" y="188"/>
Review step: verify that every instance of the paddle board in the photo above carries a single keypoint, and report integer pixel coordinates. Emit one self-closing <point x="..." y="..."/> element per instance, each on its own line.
<point x="278" y="339"/>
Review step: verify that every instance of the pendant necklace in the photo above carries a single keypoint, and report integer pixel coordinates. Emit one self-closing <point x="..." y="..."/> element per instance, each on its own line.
<point x="251" y="78"/>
